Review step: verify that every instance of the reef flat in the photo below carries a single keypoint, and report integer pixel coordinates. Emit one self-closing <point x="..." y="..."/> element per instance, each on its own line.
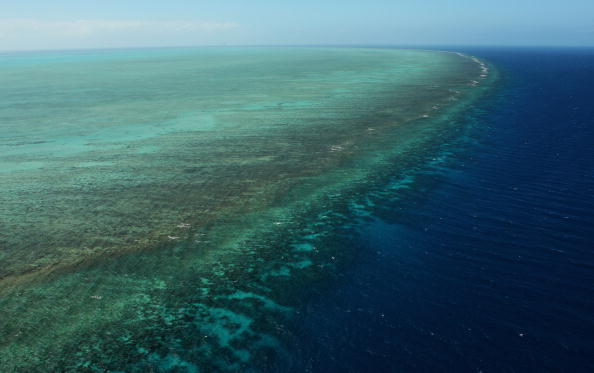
<point x="165" y="209"/>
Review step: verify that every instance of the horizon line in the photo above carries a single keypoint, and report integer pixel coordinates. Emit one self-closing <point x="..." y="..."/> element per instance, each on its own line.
<point x="341" y="45"/>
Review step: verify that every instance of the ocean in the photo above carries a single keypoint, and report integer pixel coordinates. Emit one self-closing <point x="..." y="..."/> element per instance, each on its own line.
<point x="444" y="226"/>
<point x="486" y="265"/>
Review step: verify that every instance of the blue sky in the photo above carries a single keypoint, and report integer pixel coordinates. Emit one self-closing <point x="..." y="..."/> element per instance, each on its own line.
<point x="59" y="24"/>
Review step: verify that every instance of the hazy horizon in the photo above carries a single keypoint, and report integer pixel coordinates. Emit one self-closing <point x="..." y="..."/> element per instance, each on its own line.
<point x="436" y="47"/>
<point x="67" y="24"/>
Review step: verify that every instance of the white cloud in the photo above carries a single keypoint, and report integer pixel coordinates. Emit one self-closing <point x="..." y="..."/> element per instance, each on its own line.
<point x="35" y="33"/>
<point x="89" y="26"/>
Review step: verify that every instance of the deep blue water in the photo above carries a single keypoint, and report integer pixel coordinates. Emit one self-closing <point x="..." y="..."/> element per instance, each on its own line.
<point x="490" y="267"/>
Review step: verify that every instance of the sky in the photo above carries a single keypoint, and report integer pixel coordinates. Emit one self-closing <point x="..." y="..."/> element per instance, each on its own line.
<point x="66" y="24"/>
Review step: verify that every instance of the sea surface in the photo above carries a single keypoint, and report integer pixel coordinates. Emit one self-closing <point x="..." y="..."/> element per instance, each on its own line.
<point x="487" y="264"/>
<point x="320" y="210"/>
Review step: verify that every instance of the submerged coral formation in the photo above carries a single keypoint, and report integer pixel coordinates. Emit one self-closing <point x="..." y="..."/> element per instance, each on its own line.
<point x="165" y="209"/>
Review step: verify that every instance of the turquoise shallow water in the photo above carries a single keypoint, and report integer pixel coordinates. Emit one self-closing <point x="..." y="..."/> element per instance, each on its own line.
<point x="165" y="209"/>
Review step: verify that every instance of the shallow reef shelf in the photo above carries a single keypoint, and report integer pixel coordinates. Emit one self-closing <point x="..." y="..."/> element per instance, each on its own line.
<point x="167" y="209"/>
